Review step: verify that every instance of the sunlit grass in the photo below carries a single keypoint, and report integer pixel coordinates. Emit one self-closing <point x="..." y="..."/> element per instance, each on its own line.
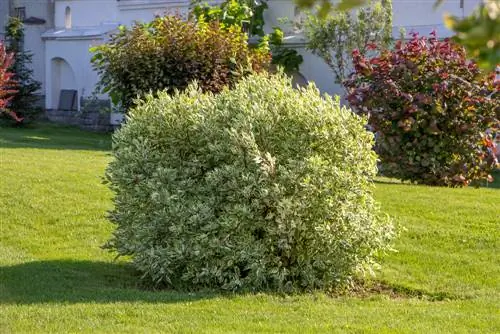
<point x="55" y="278"/>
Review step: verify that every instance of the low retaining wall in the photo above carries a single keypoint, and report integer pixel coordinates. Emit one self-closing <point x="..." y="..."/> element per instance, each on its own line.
<point x="90" y="121"/>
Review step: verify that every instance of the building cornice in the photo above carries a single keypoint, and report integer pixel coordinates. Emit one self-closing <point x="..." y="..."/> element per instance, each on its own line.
<point x="80" y="33"/>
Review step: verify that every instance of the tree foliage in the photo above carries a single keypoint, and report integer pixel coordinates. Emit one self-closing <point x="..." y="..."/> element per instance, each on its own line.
<point x="430" y="109"/>
<point x="339" y="34"/>
<point x="325" y="7"/>
<point x="249" y="16"/>
<point x="245" y="14"/>
<point x="255" y="188"/>
<point x="168" y="53"/>
<point x="25" y="100"/>
<point x="479" y="32"/>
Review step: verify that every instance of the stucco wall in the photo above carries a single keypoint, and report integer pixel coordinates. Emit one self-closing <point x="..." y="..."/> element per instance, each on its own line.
<point x="4" y="14"/>
<point x="76" y="54"/>
<point x="72" y="46"/>
<point x="34" y="44"/>
<point x="145" y="10"/>
<point x="92" y="13"/>
<point x="85" y="13"/>
<point x="421" y="12"/>
<point x="416" y="15"/>
<point x="42" y="9"/>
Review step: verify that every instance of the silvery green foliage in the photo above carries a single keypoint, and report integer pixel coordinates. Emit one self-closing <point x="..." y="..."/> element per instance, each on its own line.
<point x="261" y="187"/>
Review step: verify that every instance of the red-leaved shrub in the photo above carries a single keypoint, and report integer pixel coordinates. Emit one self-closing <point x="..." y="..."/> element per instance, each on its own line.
<point x="430" y="109"/>
<point x="7" y="83"/>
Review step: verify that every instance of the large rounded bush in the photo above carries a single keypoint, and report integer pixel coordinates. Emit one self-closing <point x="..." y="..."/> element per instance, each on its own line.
<point x="260" y="187"/>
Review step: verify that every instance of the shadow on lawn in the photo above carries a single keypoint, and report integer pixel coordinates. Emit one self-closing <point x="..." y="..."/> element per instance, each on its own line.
<point x="67" y="281"/>
<point x="53" y="136"/>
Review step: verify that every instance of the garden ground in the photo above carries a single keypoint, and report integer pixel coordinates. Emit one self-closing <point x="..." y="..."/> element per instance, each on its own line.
<point x="54" y="277"/>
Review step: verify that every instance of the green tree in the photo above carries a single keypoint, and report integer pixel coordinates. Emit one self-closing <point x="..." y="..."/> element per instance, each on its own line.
<point x="478" y="33"/>
<point x="335" y="37"/>
<point x="24" y="102"/>
<point x="325" y="6"/>
<point x="248" y="15"/>
<point x="168" y="53"/>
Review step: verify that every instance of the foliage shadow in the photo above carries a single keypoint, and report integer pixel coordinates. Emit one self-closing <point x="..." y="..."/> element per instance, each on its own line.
<point x="52" y="136"/>
<point x="71" y="281"/>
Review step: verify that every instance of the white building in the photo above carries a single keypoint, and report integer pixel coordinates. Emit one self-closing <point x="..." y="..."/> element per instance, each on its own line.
<point x="38" y="17"/>
<point x="61" y="32"/>
<point x="4" y="15"/>
<point x="80" y="24"/>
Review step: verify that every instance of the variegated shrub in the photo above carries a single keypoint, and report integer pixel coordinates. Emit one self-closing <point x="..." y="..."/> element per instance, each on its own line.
<point x="262" y="187"/>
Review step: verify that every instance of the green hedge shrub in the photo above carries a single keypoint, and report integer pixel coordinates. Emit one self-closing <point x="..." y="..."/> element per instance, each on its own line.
<point x="259" y="187"/>
<point x="168" y="53"/>
<point x="430" y="108"/>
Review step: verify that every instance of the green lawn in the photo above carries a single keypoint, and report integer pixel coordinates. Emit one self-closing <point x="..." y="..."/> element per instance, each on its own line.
<point x="54" y="278"/>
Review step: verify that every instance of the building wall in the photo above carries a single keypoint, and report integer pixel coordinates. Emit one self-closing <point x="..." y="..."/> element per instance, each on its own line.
<point x="43" y="9"/>
<point x="34" y="44"/>
<point x="4" y="15"/>
<point x="85" y="13"/>
<point x="412" y="14"/>
<point x="67" y="61"/>
<point x="68" y="69"/>
<point x="130" y="11"/>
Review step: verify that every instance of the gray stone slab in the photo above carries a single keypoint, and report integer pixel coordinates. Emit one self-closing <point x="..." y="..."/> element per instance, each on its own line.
<point x="67" y="99"/>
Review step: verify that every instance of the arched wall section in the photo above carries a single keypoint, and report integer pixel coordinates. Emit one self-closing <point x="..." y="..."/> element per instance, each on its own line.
<point x="62" y="77"/>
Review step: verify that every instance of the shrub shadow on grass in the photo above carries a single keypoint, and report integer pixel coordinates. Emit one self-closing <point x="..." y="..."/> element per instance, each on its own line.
<point x="52" y="136"/>
<point x="68" y="281"/>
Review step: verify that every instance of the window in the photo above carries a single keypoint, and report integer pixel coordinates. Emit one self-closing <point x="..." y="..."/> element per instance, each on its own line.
<point x="67" y="18"/>
<point x="20" y="13"/>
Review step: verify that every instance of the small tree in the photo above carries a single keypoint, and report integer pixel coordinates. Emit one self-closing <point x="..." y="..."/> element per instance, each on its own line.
<point x="168" y="53"/>
<point x="248" y="15"/>
<point x="24" y="102"/>
<point x="430" y="109"/>
<point x="335" y="37"/>
<point x="7" y="82"/>
<point x="478" y="33"/>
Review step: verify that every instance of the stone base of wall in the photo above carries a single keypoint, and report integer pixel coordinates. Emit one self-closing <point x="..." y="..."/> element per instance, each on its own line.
<point x="89" y="121"/>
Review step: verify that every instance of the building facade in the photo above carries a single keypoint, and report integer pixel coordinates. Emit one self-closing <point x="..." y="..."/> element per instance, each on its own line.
<point x="60" y="33"/>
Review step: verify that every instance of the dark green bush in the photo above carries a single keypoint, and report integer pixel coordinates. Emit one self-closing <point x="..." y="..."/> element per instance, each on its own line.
<point x="168" y="53"/>
<point x="259" y="187"/>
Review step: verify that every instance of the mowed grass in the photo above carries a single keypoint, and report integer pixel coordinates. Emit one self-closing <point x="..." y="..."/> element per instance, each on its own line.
<point x="55" y="278"/>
